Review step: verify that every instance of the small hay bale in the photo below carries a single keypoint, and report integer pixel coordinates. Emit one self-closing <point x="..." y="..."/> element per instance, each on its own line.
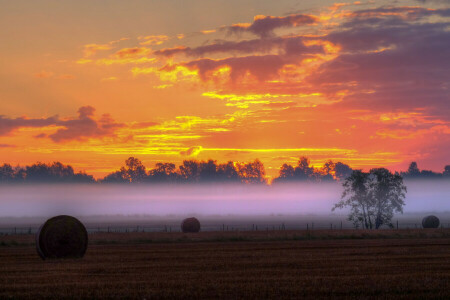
<point x="430" y="222"/>
<point x="62" y="237"/>
<point x="190" y="225"/>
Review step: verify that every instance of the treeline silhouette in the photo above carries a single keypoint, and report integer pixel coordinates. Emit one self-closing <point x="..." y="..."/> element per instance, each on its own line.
<point x="194" y="171"/>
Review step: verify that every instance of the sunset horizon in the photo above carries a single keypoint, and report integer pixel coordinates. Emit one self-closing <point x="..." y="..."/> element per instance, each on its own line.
<point x="363" y="83"/>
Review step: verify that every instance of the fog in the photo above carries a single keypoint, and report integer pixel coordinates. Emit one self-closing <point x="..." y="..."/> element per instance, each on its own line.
<point x="88" y="200"/>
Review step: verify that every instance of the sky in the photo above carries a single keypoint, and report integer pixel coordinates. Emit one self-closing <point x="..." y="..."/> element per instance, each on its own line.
<point x="90" y="83"/>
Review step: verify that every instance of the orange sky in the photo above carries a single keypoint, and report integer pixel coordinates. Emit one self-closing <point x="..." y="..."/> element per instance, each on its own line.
<point x="90" y="84"/>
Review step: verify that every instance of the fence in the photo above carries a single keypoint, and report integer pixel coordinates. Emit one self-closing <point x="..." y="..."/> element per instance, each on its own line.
<point x="343" y="225"/>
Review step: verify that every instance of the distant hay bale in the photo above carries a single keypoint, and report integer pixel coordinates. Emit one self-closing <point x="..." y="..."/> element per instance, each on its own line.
<point x="62" y="237"/>
<point x="430" y="222"/>
<point x="190" y="225"/>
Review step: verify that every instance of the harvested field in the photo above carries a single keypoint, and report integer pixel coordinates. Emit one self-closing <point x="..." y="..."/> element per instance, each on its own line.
<point x="340" y="264"/>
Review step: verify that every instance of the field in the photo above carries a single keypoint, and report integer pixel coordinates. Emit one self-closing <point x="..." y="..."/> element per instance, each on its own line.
<point x="404" y="264"/>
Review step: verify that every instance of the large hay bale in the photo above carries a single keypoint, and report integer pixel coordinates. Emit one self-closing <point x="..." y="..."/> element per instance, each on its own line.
<point x="430" y="222"/>
<point x="190" y="225"/>
<point x="62" y="237"/>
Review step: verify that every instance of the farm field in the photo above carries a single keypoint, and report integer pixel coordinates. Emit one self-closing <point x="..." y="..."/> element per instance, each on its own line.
<point x="404" y="264"/>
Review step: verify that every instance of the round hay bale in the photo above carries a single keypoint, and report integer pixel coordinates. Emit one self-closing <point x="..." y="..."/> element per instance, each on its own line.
<point x="190" y="225"/>
<point x="430" y="222"/>
<point x="62" y="237"/>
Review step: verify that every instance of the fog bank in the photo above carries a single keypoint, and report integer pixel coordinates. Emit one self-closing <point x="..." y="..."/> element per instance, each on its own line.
<point x="300" y="198"/>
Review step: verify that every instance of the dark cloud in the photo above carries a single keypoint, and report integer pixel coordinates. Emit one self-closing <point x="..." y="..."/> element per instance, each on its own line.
<point x="81" y="128"/>
<point x="7" y="146"/>
<point x="40" y="136"/>
<point x="262" y="67"/>
<point x="293" y="45"/>
<point x="264" y="26"/>
<point x="390" y="63"/>
<point x="85" y="126"/>
<point x="8" y="125"/>
<point x="406" y="12"/>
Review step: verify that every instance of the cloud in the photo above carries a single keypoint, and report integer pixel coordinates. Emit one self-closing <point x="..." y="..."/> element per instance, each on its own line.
<point x="91" y="49"/>
<point x="293" y="45"/>
<point x="264" y="26"/>
<point x="7" y="146"/>
<point x="84" y="127"/>
<point x="131" y="52"/>
<point x="393" y="64"/>
<point x="8" y="125"/>
<point x="153" y="39"/>
<point x="193" y="151"/>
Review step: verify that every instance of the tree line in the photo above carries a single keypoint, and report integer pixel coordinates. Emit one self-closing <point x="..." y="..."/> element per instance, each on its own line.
<point x="194" y="171"/>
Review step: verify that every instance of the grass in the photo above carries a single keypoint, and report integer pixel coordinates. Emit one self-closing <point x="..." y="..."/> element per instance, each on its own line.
<point x="405" y="264"/>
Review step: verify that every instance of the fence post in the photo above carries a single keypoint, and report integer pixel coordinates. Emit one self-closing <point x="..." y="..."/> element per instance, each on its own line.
<point x="341" y="225"/>
<point x="397" y="224"/>
<point x="312" y="226"/>
<point x="307" y="226"/>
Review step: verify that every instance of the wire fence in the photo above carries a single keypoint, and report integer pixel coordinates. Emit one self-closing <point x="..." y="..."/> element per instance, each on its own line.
<point x="343" y="225"/>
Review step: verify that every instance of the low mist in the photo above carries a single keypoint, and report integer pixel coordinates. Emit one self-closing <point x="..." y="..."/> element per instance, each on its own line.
<point x="287" y="199"/>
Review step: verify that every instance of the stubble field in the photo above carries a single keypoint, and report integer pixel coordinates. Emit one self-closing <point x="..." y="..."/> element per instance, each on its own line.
<point x="404" y="264"/>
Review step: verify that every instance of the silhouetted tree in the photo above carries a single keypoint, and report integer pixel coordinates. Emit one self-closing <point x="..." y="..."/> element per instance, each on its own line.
<point x="286" y="171"/>
<point x="6" y="173"/>
<point x="208" y="171"/>
<point x="446" y="172"/>
<point x="342" y="171"/>
<point x="329" y="167"/>
<point x="413" y="170"/>
<point x="414" y="173"/>
<point x="190" y="170"/>
<point x="252" y="172"/>
<point x="163" y="172"/>
<point x="372" y="197"/>
<point x="55" y="172"/>
<point x="227" y="172"/>
<point x="303" y="171"/>
<point x="134" y="170"/>
<point x="116" y="177"/>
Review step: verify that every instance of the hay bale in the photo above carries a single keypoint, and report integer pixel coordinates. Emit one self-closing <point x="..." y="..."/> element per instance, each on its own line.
<point x="190" y="225"/>
<point x="62" y="237"/>
<point x="430" y="222"/>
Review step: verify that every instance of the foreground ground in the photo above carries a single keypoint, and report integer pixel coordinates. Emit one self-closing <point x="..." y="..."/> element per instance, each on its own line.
<point x="281" y="264"/>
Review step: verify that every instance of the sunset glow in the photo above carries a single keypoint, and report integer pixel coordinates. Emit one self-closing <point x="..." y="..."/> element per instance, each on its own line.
<point x="364" y="83"/>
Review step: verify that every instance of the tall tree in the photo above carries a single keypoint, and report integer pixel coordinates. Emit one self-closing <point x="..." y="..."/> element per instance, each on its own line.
<point x="252" y="172"/>
<point x="227" y="172"/>
<point x="190" y="170"/>
<point x="388" y="193"/>
<point x="413" y="170"/>
<point x="163" y="172"/>
<point x="134" y="170"/>
<point x="356" y="195"/>
<point x="372" y="197"/>
<point x="303" y="170"/>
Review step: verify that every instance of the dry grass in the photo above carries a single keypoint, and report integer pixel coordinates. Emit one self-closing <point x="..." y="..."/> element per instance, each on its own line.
<point x="350" y="264"/>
